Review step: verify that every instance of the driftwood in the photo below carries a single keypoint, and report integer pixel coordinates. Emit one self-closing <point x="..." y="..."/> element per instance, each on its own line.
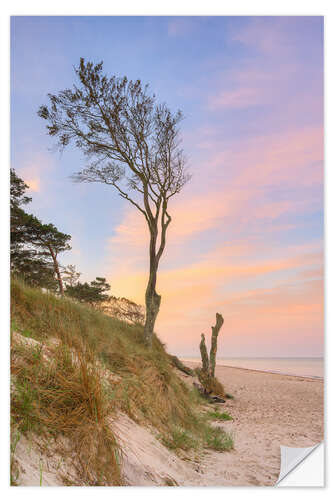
<point x="210" y="399"/>
<point x="210" y="388"/>
<point x="183" y="368"/>
<point x="215" y="331"/>
<point x="210" y="384"/>
<point x="208" y="365"/>
<point x="206" y="374"/>
<point x="204" y="355"/>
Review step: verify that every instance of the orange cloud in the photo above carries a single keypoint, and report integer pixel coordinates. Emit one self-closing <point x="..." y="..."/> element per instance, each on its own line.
<point x="253" y="320"/>
<point x="34" y="184"/>
<point x="230" y="278"/>
<point x="33" y="171"/>
<point x="223" y="251"/>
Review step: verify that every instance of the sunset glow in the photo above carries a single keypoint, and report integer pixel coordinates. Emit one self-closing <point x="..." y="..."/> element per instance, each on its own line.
<point x="246" y="237"/>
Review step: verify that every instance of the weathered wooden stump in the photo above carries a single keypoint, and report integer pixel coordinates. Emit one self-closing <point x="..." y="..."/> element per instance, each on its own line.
<point x="206" y="374"/>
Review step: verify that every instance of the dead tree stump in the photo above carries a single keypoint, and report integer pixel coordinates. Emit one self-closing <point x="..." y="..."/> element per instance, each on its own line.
<point x="206" y="374"/>
<point x="213" y="349"/>
<point x="204" y="355"/>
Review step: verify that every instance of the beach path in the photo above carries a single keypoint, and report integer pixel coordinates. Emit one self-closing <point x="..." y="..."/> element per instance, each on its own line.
<point x="268" y="410"/>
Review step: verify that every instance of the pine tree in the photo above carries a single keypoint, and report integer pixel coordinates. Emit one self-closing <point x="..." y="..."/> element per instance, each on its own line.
<point x="34" y="246"/>
<point x="49" y="241"/>
<point x="93" y="293"/>
<point x="70" y="276"/>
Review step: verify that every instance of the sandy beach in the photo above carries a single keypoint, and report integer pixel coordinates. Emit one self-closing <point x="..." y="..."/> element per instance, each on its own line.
<point x="269" y="410"/>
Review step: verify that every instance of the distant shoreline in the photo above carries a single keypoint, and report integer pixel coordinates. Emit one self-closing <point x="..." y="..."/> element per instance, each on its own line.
<point x="273" y="372"/>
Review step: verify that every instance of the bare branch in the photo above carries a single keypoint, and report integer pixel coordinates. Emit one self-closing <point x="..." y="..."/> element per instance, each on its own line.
<point x="110" y="177"/>
<point x="132" y="144"/>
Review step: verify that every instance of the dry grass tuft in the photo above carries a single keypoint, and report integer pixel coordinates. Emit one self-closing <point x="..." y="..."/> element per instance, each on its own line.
<point x="65" y="396"/>
<point x="83" y="368"/>
<point x="148" y="390"/>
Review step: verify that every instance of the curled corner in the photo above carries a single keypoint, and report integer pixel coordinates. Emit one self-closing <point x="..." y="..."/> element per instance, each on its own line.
<point x="291" y="458"/>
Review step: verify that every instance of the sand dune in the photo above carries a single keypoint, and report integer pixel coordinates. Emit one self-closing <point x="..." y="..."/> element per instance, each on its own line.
<point x="269" y="410"/>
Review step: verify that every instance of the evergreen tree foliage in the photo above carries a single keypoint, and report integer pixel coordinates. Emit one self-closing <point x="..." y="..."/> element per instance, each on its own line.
<point x="93" y="293"/>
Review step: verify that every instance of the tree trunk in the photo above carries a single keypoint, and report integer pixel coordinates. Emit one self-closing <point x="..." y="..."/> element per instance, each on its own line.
<point x="204" y="355"/>
<point x="183" y="368"/>
<point x="206" y="374"/>
<point x="153" y="300"/>
<point x="57" y="271"/>
<point x="213" y="348"/>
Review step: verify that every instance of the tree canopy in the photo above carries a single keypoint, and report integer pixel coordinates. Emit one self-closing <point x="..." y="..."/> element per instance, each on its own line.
<point x="93" y="293"/>
<point x="17" y="191"/>
<point x="25" y="259"/>
<point x="48" y="240"/>
<point x="131" y="143"/>
<point x="34" y="245"/>
<point x="70" y="275"/>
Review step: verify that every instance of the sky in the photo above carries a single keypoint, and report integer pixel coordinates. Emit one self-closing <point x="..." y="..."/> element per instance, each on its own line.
<point x="246" y="237"/>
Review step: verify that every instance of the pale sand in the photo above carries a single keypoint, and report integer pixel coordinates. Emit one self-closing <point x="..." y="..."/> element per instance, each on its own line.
<point x="269" y="410"/>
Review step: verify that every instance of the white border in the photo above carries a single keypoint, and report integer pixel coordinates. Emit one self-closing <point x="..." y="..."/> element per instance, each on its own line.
<point x="172" y="7"/>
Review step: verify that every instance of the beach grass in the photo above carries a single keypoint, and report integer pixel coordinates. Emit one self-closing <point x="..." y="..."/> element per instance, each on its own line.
<point x="217" y="415"/>
<point x="74" y="368"/>
<point x="180" y="439"/>
<point x="218" y="439"/>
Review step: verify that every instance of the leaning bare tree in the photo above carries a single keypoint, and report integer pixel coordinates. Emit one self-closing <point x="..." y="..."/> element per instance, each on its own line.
<point x="132" y="144"/>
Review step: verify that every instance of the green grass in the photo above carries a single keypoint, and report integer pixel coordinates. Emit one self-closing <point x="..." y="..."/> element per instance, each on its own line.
<point x="216" y="415"/>
<point x="218" y="439"/>
<point x="210" y="437"/>
<point x="180" y="439"/>
<point x="23" y="400"/>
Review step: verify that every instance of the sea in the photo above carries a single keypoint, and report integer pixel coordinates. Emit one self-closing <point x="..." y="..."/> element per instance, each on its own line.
<point x="301" y="367"/>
